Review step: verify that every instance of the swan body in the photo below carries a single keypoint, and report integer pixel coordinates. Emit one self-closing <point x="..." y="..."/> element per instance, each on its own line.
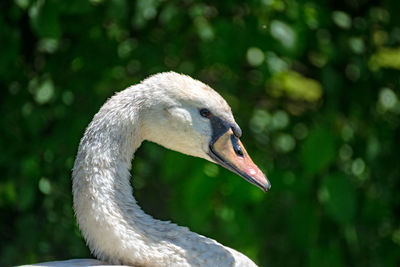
<point x="179" y="113"/>
<point x="74" y="262"/>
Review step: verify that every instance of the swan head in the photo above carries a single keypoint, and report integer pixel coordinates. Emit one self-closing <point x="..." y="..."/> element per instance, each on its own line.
<point x="188" y="116"/>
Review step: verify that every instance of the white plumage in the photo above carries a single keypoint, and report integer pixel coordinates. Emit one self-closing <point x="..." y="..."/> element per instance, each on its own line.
<point x="163" y="109"/>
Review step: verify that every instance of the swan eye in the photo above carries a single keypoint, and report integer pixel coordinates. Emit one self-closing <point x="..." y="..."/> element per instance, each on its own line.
<point x="205" y="113"/>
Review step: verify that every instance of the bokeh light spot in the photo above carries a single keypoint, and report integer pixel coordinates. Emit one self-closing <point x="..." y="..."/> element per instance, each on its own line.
<point x="255" y="57"/>
<point x="341" y="19"/>
<point x="44" y="186"/>
<point x="284" y="33"/>
<point x="358" y="166"/>
<point x="387" y="98"/>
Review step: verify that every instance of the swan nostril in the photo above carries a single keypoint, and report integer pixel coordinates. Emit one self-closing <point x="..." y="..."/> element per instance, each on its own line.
<point x="238" y="151"/>
<point x="236" y="147"/>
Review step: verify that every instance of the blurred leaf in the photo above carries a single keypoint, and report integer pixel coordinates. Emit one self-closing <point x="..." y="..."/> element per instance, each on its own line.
<point x="318" y="151"/>
<point x="44" y="18"/>
<point x="7" y="193"/>
<point x="10" y="45"/>
<point x="295" y="86"/>
<point x="74" y="7"/>
<point x="385" y="58"/>
<point x="339" y="197"/>
<point x="329" y="256"/>
<point x="303" y="225"/>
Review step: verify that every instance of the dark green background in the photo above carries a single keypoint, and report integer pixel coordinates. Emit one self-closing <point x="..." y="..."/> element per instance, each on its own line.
<point x="313" y="84"/>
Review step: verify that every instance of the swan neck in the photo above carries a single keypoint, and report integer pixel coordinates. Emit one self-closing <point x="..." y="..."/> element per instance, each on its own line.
<point x="106" y="210"/>
<point x="115" y="228"/>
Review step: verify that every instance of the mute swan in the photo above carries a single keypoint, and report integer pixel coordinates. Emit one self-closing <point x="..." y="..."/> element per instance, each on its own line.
<point x="181" y="114"/>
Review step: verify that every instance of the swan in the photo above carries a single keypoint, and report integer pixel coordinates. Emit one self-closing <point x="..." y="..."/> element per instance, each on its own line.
<point x="179" y="113"/>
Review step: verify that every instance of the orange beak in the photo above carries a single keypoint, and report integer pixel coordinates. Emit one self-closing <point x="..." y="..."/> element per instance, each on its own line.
<point x="229" y="152"/>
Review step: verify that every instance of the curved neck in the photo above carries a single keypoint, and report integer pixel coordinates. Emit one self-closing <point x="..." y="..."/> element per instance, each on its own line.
<point x="114" y="226"/>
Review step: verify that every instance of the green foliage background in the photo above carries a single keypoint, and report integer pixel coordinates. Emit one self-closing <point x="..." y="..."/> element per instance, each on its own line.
<point x="314" y="85"/>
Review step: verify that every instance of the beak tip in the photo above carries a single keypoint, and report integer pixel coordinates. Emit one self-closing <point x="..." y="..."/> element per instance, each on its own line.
<point x="267" y="187"/>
